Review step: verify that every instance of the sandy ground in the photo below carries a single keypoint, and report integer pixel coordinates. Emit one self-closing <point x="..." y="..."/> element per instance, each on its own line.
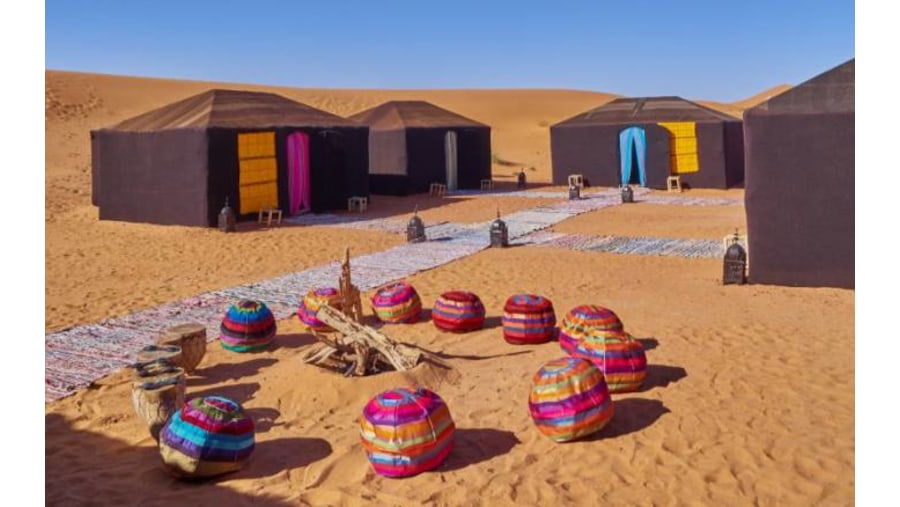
<point x="659" y="220"/>
<point x="749" y="400"/>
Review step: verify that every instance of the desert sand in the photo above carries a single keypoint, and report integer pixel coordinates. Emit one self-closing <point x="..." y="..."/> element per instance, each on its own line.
<point x="749" y="398"/>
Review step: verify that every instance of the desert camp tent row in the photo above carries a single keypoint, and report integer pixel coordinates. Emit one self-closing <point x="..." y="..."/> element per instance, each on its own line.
<point x="800" y="185"/>
<point x="794" y="154"/>
<point x="642" y="141"/>
<point x="178" y="164"/>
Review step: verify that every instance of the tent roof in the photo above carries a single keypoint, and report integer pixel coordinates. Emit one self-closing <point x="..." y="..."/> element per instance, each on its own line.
<point x="231" y="109"/>
<point x="832" y="91"/>
<point x="400" y="114"/>
<point x="646" y="110"/>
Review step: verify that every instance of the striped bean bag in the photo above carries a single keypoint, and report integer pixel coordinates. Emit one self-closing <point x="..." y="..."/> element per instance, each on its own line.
<point x="206" y="437"/>
<point x="577" y="322"/>
<point x="569" y="399"/>
<point x="397" y="303"/>
<point x="528" y="318"/>
<point x="459" y="311"/>
<point x="406" y="431"/>
<point x="620" y="357"/>
<point x="314" y="300"/>
<point x="248" y="326"/>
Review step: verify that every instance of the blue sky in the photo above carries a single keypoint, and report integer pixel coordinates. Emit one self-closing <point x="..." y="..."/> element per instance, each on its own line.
<point x="718" y="50"/>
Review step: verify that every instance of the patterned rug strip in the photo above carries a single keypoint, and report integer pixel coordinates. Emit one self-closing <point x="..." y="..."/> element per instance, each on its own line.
<point x="77" y="356"/>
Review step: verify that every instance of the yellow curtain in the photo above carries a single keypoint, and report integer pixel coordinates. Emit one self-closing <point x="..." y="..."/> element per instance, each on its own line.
<point x="258" y="171"/>
<point x="682" y="147"/>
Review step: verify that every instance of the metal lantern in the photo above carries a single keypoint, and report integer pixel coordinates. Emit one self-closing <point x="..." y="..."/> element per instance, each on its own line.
<point x="627" y="194"/>
<point x="735" y="263"/>
<point x="226" y="218"/>
<point x="574" y="192"/>
<point x="415" y="229"/>
<point x="520" y="181"/>
<point x="499" y="233"/>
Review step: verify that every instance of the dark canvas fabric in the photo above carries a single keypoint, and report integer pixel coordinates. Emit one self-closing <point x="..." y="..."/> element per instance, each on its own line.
<point x="588" y="142"/>
<point x="800" y="183"/>
<point x="178" y="163"/>
<point x="407" y="140"/>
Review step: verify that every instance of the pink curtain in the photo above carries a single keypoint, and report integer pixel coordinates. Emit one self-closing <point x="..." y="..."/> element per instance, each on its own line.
<point x="298" y="173"/>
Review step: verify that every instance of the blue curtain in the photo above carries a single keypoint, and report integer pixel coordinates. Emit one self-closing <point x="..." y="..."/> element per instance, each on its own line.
<point x="633" y="139"/>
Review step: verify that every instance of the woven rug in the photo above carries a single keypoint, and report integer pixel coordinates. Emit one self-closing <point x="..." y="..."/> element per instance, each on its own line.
<point x="623" y="245"/>
<point x="77" y="356"/>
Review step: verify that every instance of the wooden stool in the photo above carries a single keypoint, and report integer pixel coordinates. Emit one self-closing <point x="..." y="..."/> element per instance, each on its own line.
<point x="673" y="183"/>
<point x="269" y="213"/>
<point x="437" y="189"/>
<point x="487" y="184"/>
<point x="360" y="203"/>
<point x="576" y="180"/>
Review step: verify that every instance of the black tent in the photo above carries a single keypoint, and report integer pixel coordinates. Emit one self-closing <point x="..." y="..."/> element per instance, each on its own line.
<point x="644" y="140"/>
<point x="800" y="183"/>
<point x="177" y="164"/>
<point x="415" y="143"/>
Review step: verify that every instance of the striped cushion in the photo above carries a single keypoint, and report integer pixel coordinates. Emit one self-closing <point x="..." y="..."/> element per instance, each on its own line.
<point x="458" y="311"/>
<point x="528" y="318"/>
<point x="314" y="300"/>
<point x="406" y="431"/>
<point x="620" y="357"/>
<point x="569" y="399"/>
<point x="208" y="436"/>
<point x="248" y="326"/>
<point x="577" y="322"/>
<point x="397" y="303"/>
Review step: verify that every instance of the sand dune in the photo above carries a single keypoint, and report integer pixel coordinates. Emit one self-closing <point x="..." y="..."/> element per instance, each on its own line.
<point x="749" y="399"/>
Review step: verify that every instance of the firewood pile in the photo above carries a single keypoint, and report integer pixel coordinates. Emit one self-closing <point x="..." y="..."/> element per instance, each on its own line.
<point x="358" y="350"/>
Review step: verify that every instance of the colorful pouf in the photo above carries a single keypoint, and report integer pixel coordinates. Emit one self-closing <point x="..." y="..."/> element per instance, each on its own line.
<point x="397" y="303"/>
<point x="577" y="322"/>
<point x="528" y="318"/>
<point x="314" y="300"/>
<point x="406" y="431"/>
<point x="569" y="399"/>
<point x="458" y="311"/>
<point x="248" y="326"/>
<point x="620" y="357"/>
<point x="208" y="436"/>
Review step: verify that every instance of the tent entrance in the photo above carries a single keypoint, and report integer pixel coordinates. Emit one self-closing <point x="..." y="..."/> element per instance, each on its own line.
<point x="299" y="192"/>
<point x="450" y="157"/>
<point x="257" y="172"/>
<point x="633" y="156"/>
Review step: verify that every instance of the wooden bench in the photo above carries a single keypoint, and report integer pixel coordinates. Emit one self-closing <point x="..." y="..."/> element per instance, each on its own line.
<point x="437" y="189"/>
<point x="269" y="213"/>
<point x="359" y="203"/>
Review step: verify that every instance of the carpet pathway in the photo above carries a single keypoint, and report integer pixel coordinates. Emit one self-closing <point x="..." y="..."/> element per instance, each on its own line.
<point x="77" y="356"/>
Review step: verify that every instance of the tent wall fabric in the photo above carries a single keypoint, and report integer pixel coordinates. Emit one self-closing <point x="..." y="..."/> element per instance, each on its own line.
<point x="800" y="161"/>
<point x="407" y="146"/>
<point x="589" y="143"/>
<point x="177" y="164"/>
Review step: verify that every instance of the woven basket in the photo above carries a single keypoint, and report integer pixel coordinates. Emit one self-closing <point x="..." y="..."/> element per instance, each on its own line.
<point x="192" y="340"/>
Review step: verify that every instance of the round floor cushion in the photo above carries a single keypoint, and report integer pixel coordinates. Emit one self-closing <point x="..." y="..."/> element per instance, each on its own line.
<point x="620" y="357"/>
<point x="208" y="436"/>
<point x="580" y="319"/>
<point x="397" y="303"/>
<point x="569" y="399"/>
<point x="314" y="300"/>
<point x="406" y="431"/>
<point x="248" y="326"/>
<point x="458" y="311"/>
<point x="528" y="318"/>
